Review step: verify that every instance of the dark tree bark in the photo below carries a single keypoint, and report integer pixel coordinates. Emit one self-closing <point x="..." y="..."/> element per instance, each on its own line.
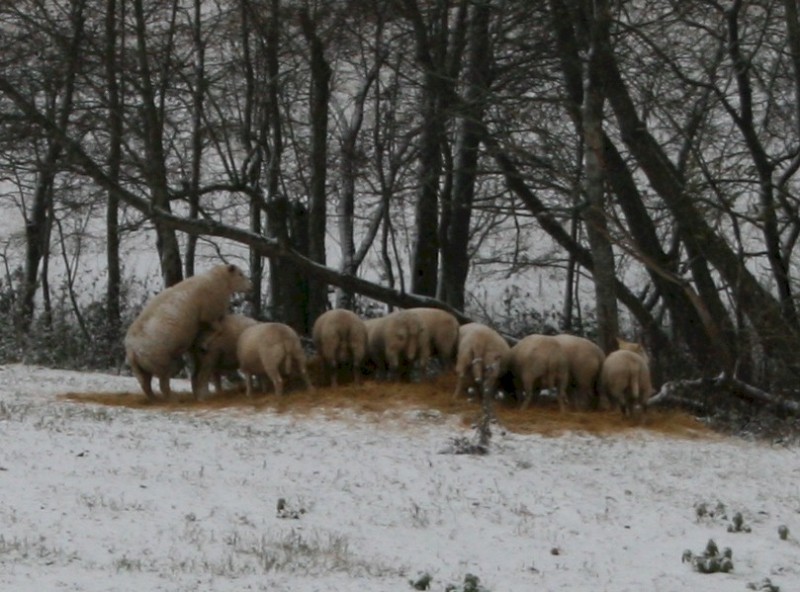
<point x="155" y="164"/>
<point x="39" y="223"/>
<point x="455" y="258"/>
<point x="114" y="279"/>
<point x="198" y="96"/>
<point x="431" y="51"/>
<point x="317" y="210"/>
<point x="597" y="14"/>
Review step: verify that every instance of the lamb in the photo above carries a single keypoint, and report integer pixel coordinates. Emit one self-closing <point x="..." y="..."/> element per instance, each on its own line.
<point x="625" y="379"/>
<point x="214" y="352"/>
<point x="483" y="353"/>
<point x="396" y="341"/>
<point x="538" y="362"/>
<point x="274" y="350"/>
<point x="442" y="328"/>
<point x="340" y="337"/>
<point x="169" y="323"/>
<point x="585" y="359"/>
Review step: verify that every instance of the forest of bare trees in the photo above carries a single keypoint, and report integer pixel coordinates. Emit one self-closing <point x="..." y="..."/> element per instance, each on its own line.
<point x="654" y="143"/>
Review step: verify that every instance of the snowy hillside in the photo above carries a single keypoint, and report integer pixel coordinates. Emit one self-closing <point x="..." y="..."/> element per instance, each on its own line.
<point x="97" y="497"/>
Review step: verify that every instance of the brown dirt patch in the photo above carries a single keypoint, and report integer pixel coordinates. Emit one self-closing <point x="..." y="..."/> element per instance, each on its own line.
<point x="377" y="400"/>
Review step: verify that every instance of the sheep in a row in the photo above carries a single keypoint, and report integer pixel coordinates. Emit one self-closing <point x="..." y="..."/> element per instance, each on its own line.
<point x="191" y="317"/>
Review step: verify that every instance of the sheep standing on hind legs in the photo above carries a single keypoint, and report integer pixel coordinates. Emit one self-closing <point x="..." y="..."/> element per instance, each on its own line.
<point x="274" y="350"/>
<point x="170" y="322"/>
<point x="483" y="354"/>
<point x="396" y="342"/>
<point x="625" y="379"/>
<point x="538" y="362"/>
<point x="340" y="337"/>
<point x="214" y="352"/>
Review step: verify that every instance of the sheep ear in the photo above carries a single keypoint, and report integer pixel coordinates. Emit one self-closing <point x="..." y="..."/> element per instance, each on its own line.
<point x="231" y="268"/>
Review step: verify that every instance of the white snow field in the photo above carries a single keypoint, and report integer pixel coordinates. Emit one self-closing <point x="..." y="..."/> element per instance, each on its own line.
<point x="97" y="498"/>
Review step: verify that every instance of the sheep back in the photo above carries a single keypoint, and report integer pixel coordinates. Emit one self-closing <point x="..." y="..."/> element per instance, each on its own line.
<point x="340" y="337"/>
<point x="625" y="380"/>
<point x="442" y="328"/>
<point x="538" y="362"/>
<point x="483" y="354"/>
<point x="584" y="359"/>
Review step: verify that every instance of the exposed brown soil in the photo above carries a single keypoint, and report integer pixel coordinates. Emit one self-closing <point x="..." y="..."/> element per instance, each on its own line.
<point x="376" y="400"/>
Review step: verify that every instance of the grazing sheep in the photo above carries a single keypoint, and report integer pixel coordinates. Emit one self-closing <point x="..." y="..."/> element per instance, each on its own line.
<point x="625" y="379"/>
<point x="442" y="329"/>
<point x="340" y="337"/>
<point x="396" y="341"/>
<point x="538" y="362"/>
<point x="585" y="359"/>
<point x="483" y="353"/>
<point x="271" y="349"/>
<point x="169" y="323"/>
<point x="214" y="352"/>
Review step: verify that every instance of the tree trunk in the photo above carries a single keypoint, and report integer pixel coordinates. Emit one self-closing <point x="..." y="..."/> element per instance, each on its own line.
<point x="317" y="211"/>
<point x="431" y="49"/>
<point x="155" y="166"/>
<point x="455" y="258"/>
<point x="38" y="224"/>
<point x="594" y="214"/>
<point x="114" y="278"/>
<point x="198" y="95"/>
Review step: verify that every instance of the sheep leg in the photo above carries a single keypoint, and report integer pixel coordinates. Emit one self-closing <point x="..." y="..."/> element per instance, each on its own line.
<point x="277" y="381"/>
<point x="249" y="382"/>
<point x="163" y="384"/>
<point x="459" y="386"/>
<point x="145" y="380"/>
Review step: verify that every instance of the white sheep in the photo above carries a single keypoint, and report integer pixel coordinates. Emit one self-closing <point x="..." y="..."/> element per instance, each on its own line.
<point x="169" y="323"/>
<point x="214" y="352"/>
<point x="273" y="350"/>
<point x="625" y="379"/>
<point x="396" y="342"/>
<point x="340" y="337"/>
<point x="585" y="359"/>
<point x="442" y="328"/>
<point x="538" y="362"/>
<point x="482" y="354"/>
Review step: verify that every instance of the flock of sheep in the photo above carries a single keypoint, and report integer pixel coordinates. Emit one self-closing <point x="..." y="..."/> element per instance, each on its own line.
<point x="192" y="318"/>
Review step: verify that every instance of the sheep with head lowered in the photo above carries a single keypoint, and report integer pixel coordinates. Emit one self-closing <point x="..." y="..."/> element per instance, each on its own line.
<point x="625" y="379"/>
<point x="483" y="355"/>
<point x="442" y="328"/>
<point x="396" y="342"/>
<point x="340" y="337"/>
<point x="273" y="350"/>
<point x="170" y="322"/>
<point x="214" y="352"/>
<point x="538" y="362"/>
<point x="584" y="360"/>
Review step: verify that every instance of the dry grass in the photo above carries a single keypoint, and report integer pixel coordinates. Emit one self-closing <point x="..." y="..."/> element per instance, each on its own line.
<point x="376" y="400"/>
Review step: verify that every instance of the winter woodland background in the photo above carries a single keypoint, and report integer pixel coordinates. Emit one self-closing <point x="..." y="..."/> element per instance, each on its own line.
<point x="581" y="166"/>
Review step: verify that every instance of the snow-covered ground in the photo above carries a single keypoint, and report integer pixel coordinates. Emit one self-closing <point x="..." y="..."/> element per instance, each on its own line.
<point x="95" y="498"/>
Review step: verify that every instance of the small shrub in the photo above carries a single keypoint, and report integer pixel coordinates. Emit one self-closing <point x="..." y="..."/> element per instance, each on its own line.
<point x="710" y="560"/>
